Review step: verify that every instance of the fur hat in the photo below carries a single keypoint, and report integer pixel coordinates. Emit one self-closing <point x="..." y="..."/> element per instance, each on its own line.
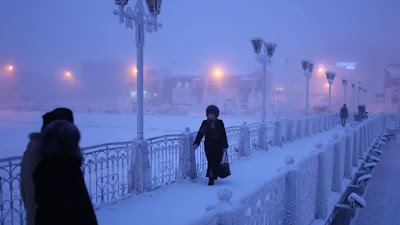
<point x="212" y="109"/>
<point x="57" y="114"/>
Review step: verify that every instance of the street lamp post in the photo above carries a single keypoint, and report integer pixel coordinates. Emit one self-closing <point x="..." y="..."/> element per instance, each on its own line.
<point x="139" y="19"/>
<point x="264" y="52"/>
<point x="330" y="75"/>
<point x="344" y="82"/>
<point x="308" y="68"/>
<point x="354" y="96"/>
<point x="359" y="94"/>
<point x="365" y="98"/>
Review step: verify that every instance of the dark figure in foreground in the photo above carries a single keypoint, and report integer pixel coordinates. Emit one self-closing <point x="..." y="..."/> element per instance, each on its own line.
<point x="60" y="191"/>
<point x="344" y="114"/>
<point x="216" y="142"/>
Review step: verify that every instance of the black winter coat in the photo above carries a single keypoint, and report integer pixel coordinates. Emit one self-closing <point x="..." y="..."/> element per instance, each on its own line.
<point x="61" y="193"/>
<point x="344" y="113"/>
<point x="60" y="190"/>
<point x="215" y="142"/>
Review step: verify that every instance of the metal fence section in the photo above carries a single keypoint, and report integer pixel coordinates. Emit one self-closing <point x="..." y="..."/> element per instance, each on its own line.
<point x="270" y="127"/>
<point x="164" y="159"/>
<point x="106" y="171"/>
<point x="255" y="137"/>
<point x="234" y="139"/>
<point x="201" y="159"/>
<point x="12" y="210"/>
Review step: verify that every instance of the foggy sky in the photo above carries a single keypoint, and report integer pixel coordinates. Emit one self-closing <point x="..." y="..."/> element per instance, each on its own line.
<point x="199" y="35"/>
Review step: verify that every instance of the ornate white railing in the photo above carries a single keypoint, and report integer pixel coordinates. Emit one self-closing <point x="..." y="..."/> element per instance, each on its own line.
<point x="114" y="170"/>
<point x="105" y="168"/>
<point x="12" y="210"/>
<point x="164" y="159"/>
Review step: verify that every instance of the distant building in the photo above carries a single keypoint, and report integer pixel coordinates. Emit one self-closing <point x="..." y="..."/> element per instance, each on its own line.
<point x="392" y="86"/>
<point x="107" y="81"/>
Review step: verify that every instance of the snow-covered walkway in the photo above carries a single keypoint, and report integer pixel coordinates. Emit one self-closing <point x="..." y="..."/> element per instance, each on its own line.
<point x="383" y="196"/>
<point x="186" y="201"/>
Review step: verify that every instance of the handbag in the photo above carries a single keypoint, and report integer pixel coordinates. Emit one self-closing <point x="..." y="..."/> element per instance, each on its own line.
<point x="224" y="169"/>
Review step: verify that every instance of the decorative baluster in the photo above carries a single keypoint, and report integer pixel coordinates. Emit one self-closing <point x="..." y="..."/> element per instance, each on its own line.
<point x="11" y="193"/>
<point x="2" y="209"/>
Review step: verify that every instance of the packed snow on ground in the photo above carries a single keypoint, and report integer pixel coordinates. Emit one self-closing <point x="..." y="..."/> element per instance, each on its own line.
<point x="186" y="201"/>
<point x="98" y="128"/>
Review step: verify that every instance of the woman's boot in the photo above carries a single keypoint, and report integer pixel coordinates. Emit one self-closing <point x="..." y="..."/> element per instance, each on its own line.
<point x="211" y="177"/>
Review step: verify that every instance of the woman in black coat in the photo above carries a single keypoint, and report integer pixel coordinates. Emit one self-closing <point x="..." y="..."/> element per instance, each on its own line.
<point x="216" y="142"/>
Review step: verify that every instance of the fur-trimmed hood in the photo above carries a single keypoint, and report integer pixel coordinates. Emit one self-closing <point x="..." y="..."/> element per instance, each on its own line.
<point x="61" y="139"/>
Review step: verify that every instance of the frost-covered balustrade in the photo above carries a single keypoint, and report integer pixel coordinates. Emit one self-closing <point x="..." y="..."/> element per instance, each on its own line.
<point x="114" y="170"/>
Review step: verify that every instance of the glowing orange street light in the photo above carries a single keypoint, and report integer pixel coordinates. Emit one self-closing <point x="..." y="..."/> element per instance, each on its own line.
<point x="67" y="75"/>
<point x="10" y="68"/>
<point x="217" y="73"/>
<point x="321" y="70"/>
<point x="134" y="71"/>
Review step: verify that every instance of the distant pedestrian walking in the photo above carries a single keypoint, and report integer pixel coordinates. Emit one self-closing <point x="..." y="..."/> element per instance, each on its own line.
<point x="344" y="114"/>
<point x="60" y="191"/>
<point x="216" y="142"/>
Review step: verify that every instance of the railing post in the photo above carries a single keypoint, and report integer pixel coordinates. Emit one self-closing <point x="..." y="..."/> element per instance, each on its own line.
<point x="307" y="126"/>
<point x="277" y="134"/>
<point x="291" y="204"/>
<point x="325" y="122"/>
<point x="245" y="149"/>
<point x="337" y="169"/>
<point x="361" y="145"/>
<point x="355" y="150"/>
<point x="365" y="138"/>
<point x="321" y="206"/>
<point x="192" y="158"/>
<point x="314" y="125"/>
<point x="187" y="162"/>
<point x="140" y="170"/>
<point x="289" y="130"/>
<point x="320" y="123"/>
<point x="348" y="156"/>
<point x="298" y="134"/>
<point x="262" y="132"/>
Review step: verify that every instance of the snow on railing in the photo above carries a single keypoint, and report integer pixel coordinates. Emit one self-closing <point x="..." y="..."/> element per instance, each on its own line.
<point x="301" y="195"/>
<point x="114" y="170"/>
